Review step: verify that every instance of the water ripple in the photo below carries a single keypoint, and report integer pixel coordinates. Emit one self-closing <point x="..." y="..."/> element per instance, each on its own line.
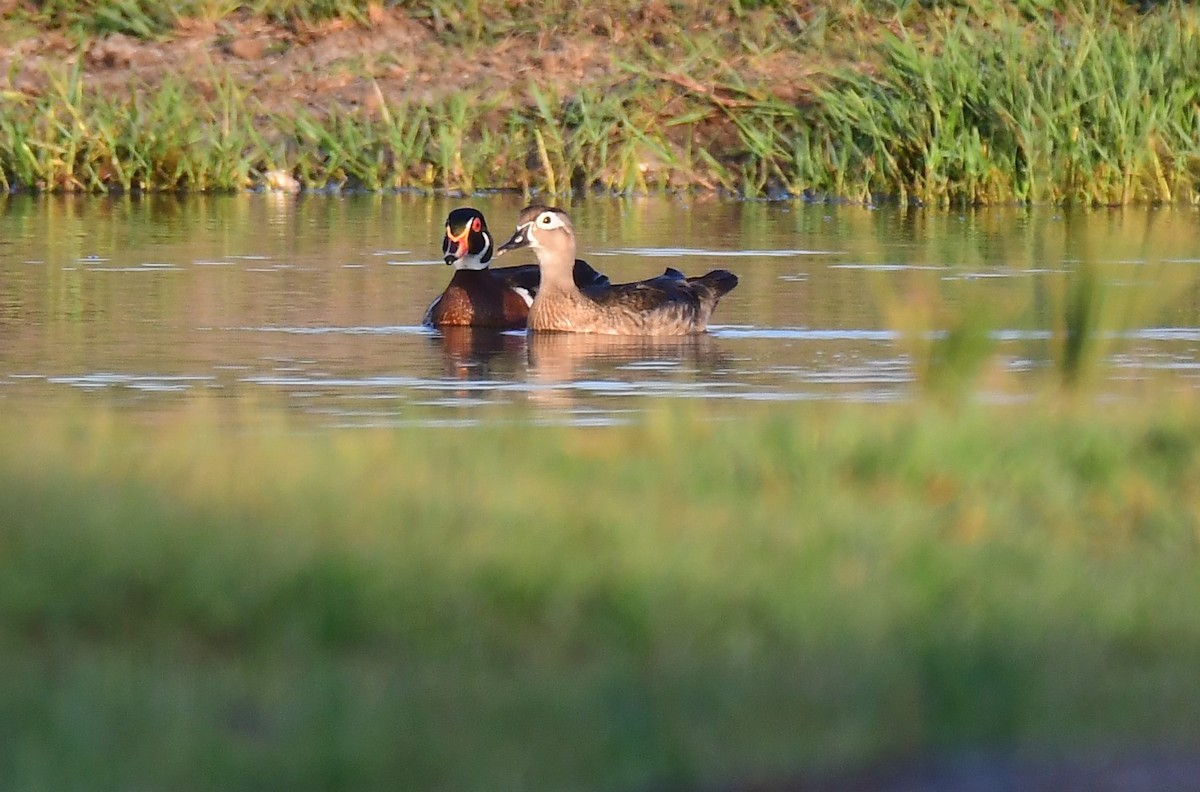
<point x="159" y="383"/>
<point x="672" y="252"/>
<point x="803" y="333"/>
<point x="327" y="330"/>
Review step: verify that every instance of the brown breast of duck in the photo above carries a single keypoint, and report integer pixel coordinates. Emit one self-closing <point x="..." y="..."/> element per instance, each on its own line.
<point x="477" y="298"/>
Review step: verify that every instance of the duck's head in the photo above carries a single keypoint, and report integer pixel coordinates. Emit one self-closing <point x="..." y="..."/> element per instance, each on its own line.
<point x="548" y="231"/>
<point x="467" y="243"/>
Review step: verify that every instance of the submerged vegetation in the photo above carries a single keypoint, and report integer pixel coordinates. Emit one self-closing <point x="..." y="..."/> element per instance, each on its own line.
<point x="678" y="602"/>
<point x="946" y="104"/>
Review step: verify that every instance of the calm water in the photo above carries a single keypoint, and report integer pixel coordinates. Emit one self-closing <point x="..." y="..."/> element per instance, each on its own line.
<point x="313" y="304"/>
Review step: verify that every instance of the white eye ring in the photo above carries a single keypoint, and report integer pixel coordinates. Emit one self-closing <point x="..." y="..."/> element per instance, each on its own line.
<point x="547" y="219"/>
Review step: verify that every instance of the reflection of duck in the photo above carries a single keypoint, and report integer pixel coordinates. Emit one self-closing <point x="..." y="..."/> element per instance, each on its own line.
<point x="565" y="357"/>
<point x="670" y="304"/>
<point x="472" y="353"/>
<point x="479" y="296"/>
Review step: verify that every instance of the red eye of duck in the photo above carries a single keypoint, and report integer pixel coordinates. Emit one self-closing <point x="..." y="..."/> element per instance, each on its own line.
<point x="476" y="225"/>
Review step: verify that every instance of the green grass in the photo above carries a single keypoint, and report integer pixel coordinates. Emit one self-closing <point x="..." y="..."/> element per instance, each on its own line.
<point x="947" y="104"/>
<point x="146" y="18"/>
<point x="74" y="140"/>
<point x="219" y="601"/>
<point x="1093" y="109"/>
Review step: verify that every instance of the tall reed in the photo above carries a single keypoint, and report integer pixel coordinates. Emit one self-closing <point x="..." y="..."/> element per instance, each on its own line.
<point x="1092" y="108"/>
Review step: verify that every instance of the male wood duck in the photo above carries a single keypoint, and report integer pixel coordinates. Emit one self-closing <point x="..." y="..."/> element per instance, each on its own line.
<point x="479" y="296"/>
<point x="670" y="304"/>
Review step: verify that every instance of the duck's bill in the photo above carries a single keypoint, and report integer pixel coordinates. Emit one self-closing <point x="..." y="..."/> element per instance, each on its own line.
<point x="519" y="240"/>
<point x="454" y="246"/>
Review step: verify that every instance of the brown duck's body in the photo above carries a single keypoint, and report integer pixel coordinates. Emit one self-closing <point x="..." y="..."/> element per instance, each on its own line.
<point x="498" y="298"/>
<point x="481" y="298"/>
<point x="670" y="304"/>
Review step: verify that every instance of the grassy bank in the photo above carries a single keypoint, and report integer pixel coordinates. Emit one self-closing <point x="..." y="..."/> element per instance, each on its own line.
<point x="678" y="602"/>
<point x="976" y="102"/>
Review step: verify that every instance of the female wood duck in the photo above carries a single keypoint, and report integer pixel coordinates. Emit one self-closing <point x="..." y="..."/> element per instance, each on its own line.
<point x="671" y="304"/>
<point x="479" y="296"/>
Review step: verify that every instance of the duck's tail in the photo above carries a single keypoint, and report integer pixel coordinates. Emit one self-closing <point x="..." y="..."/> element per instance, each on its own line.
<point x="720" y="282"/>
<point x="710" y="288"/>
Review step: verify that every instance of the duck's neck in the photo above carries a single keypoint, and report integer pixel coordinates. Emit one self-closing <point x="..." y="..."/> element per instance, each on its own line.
<point x="470" y="262"/>
<point x="557" y="272"/>
<point x="461" y="277"/>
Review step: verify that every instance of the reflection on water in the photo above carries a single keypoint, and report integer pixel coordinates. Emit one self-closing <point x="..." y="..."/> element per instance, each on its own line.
<point x="571" y="367"/>
<point x="566" y="357"/>
<point x="479" y="353"/>
<point x="313" y="303"/>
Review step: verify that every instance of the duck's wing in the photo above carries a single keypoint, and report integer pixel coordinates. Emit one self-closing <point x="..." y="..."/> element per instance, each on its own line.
<point x="586" y="276"/>
<point x="641" y="296"/>
<point x="670" y="282"/>
<point x="670" y="288"/>
<point x="527" y="276"/>
<point x="523" y="280"/>
<point x="427" y="320"/>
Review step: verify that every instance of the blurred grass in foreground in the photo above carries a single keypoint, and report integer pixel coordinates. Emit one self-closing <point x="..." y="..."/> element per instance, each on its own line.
<point x="196" y="604"/>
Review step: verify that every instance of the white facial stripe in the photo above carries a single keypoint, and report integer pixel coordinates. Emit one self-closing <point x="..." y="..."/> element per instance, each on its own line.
<point x="534" y="242"/>
<point x="549" y="220"/>
<point x="470" y="261"/>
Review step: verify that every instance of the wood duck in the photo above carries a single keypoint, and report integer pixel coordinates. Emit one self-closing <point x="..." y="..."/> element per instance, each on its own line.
<point x="479" y="296"/>
<point x="670" y="304"/>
